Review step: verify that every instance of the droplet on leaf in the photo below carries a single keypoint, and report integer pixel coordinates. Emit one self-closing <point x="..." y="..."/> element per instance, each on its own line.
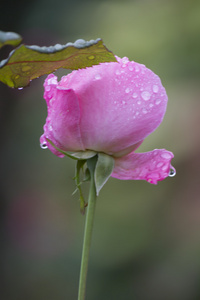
<point x="26" y="68"/>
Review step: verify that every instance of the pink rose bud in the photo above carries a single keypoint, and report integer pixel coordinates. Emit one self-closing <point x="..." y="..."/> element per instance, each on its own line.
<point x="109" y="108"/>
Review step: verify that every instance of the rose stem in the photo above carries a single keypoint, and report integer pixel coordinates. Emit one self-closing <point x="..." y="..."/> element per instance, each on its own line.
<point x="88" y="231"/>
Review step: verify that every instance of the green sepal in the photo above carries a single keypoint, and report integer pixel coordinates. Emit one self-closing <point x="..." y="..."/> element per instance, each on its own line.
<point x="79" y="155"/>
<point x="83" y="154"/>
<point x="103" y="170"/>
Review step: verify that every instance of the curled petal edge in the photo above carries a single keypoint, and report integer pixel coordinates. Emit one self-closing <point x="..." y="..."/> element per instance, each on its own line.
<point x="151" y="166"/>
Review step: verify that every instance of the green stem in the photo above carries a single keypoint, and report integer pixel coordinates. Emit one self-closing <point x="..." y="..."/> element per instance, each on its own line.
<point x="88" y="231"/>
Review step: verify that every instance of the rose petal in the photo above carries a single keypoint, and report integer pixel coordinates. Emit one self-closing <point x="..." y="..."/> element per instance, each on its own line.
<point x="120" y="103"/>
<point x="62" y="123"/>
<point x="150" y="166"/>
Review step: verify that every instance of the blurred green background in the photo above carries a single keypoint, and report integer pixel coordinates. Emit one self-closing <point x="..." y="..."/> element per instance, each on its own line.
<point x="146" y="239"/>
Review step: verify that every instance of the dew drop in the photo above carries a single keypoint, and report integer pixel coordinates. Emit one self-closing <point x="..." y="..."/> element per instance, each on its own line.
<point x="137" y="69"/>
<point x="20" y="88"/>
<point x="97" y="76"/>
<point x="172" y="172"/>
<point x="145" y="111"/>
<point x="50" y="127"/>
<point x="52" y="81"/>
<point x="125" y="60"/>
<point x="139" y="102"/>
<point x="146" y="95"/>
<point x="134" y="95"/>
<point x="164" y="167"/>
<point x="91" y="57"/>
<point x="127" y="90"/>
<point x="158" y="101"/>
<point x="151" y="105"/>
<point x="159" y="165"/>
<point x="117" y="72"/>
<point x="43" y="145"/>
<point x="26" y="68"/>
<point x="166" y="155"/>
<point x="130" y="68"/>
<point x="47" y="88"/>
<point x="155" y="88"/>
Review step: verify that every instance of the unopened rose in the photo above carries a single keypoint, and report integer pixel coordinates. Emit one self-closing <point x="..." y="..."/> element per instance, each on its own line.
<point x="109" y="108"/>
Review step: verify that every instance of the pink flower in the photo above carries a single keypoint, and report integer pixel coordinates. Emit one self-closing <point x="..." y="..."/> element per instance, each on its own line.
<point x="109" y="108"/>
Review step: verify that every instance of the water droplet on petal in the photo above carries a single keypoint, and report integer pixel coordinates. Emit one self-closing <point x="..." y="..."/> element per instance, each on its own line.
<point x="44" y="145"/>
<point x="172" y="172"/>
<point x="165" y="167"/>
<point x="145" y="111"/>
<point x="155" y="88"/>
<point x="50" y="127"/>
<point x="47" y="88"/>
<point x="125" y="60"/>
<point x="134" y="95"/>
<point x="166" y="155"/>
<point x="52" y="81"/>
<point x="117" y="72"/>
<point x="130" y="67"/>
<point x="127" y="90"/>
<point x="146" y="95"/>
<point x="159" y="165"/>
<point x="97" y="76"/>
<point x="158" y="101"/>
<point x="137" y="69"/>
<point x="139" y="102"/>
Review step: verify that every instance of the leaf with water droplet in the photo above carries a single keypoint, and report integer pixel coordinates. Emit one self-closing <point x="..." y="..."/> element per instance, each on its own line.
<point x="29" y="62"/>
<point x="9" y="38"/>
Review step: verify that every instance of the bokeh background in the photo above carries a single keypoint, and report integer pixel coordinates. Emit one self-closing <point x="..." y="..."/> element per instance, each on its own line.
<point x="146" y="239"/>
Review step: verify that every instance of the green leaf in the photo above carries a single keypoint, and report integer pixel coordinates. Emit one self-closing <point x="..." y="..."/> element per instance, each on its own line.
<point x="9" y="38"/>
<point x="79" y="155"/>
<point x="29" y="62"/>
<point x="61" y="151"/>
<point x="103" y="170"/>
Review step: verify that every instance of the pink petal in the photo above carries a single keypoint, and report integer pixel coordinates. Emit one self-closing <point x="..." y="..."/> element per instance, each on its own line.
<point x="120" y="102"/>
<point x="150" y="166"/>
<point x="62" y="123"/>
